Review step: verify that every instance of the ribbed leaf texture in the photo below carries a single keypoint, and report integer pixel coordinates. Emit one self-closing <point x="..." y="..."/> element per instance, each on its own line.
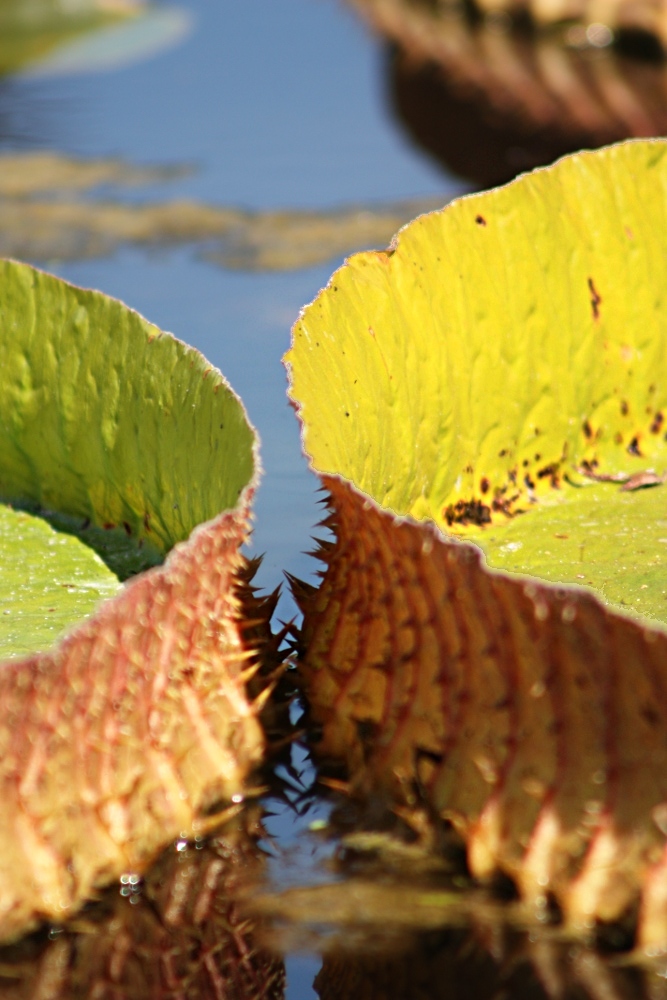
<point x="532" y="718"/>
<point x="128" y="733"/>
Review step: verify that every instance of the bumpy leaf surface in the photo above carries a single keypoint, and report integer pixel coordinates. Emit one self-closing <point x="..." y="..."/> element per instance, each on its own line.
<point x="138" y="724"/>
<point x="512" y="333"/>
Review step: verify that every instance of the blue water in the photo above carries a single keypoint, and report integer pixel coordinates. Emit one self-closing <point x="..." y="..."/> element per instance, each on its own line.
<point x="275" y="103"/>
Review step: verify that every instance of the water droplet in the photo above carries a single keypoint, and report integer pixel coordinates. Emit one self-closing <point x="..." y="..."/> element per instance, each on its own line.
<point x="599" y="35"/>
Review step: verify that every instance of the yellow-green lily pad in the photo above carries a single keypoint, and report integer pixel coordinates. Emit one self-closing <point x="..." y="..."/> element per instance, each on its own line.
<point x="503" y="357"/>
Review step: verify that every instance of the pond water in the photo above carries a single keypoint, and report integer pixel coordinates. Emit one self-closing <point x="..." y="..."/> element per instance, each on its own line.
<point x="271" y="105"/>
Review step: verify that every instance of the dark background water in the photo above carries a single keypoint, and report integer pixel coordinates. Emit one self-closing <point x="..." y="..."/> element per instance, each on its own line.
<point x="274" y="103"/>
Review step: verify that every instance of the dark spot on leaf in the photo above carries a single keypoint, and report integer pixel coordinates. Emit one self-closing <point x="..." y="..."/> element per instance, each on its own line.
<point x="484" y="485"/>
<point x="595" y="299"/>
<point x="346" y="414"/>
<point x="624" y="408"/>
<point x="529" y="482"/>
<point x="502" y="453"/>
<point x="537" y="432"/>
<point x="469" y="469"/>
<point x="537" y="456"/>
<point x="108" y="526"/>
<point x="588" y="431"/>
<point x="480" y="220"/>
<point x="550" y="471"/>
<point x="618" y="438"/>
<point x="512" y="475"/>
<point x="467" y="512"/>
<point x="431" y="755"/>
<point x="633" y="447"/>
<point x="657" y="423"/>
<point x="525" y="463"/>
<point x="147" y="522"/>
<point x="128" y="529"/>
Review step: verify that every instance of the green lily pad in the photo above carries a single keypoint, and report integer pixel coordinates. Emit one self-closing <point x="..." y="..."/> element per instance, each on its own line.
<point x="597" y="537"/>
<point x="79" y="415"/>
<point x="503" y="357"/>
<point x="120" y="447"/>
<point x="31" y="30"/>
<point x="48" y="580"/>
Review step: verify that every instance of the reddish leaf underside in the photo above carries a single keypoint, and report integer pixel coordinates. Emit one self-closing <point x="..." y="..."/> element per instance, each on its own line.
<point x="531" y="718"/>
<point x="129" y="733"/>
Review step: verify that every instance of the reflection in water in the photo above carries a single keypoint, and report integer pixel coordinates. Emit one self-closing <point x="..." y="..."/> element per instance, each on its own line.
<point x="410" y="938"/>
<point x="489" y="100"/>
<point x="180" y="932"/>
<point x="460" y="965"/>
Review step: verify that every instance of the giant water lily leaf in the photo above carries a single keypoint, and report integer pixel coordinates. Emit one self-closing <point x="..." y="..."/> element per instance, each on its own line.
<point x="603" y="18"/>
<point x="138" y="723"/>
<point x="31" y="30"/>
<point x="489" y="99"/>
<point x="49" y="579"/>
<point x="496" y="373"/>
<point x="500" y="362"/>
